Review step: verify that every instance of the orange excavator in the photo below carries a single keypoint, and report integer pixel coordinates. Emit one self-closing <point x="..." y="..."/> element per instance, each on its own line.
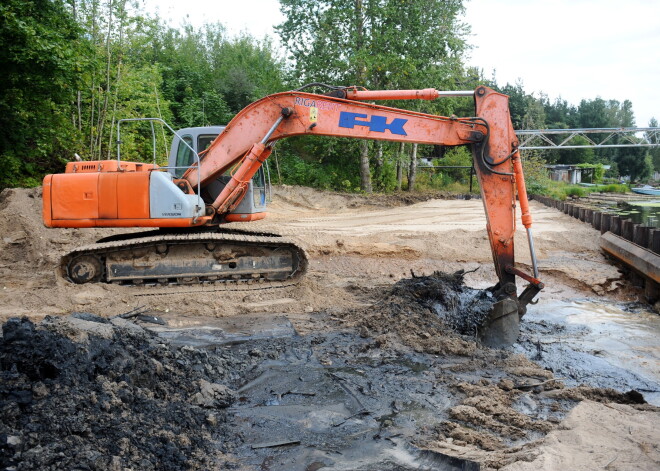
<point x="188" y="205"/>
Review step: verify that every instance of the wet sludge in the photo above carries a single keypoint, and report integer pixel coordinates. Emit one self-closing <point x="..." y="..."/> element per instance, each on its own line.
<point x="81" y="394"/>
<point x="387" y="387"/>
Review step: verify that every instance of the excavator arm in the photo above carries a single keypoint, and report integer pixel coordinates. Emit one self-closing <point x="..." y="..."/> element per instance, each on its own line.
<point x="247" y="141"/>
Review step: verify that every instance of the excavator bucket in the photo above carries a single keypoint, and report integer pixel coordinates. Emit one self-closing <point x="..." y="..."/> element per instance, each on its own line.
<point x="500" y="329"/>
<point x="490" y="316"/>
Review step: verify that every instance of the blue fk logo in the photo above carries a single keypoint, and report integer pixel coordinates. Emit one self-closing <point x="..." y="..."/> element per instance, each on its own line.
<point x="376" y="123"/>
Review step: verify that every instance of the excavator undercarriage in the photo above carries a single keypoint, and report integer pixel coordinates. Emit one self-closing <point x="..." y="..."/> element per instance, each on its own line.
<point x="164" y="258"/>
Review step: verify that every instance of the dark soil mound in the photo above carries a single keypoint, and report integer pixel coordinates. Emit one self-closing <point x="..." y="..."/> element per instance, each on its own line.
<point x="92" y="395"/>
<point x="461" y="308"/>
<point x="432" y="314"/>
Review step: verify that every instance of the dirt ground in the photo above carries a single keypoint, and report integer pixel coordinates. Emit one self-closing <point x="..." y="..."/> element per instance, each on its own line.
<point x="352" y="241"/>
<point x="358" y="248"/>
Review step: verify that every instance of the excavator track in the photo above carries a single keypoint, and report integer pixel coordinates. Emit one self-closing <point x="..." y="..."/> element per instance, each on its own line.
<point x="208" y="260"/>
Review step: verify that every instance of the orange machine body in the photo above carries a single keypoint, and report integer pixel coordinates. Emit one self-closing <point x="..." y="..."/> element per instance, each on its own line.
<point x="104" y="193"/>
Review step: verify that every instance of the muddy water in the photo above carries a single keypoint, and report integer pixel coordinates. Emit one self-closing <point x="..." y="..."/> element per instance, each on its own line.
<point x="596" y="343"/>
<point x="326" y="401"/>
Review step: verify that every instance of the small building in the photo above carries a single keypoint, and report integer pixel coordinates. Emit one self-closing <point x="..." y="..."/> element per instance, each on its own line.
<point x="572" y="174"/>
<point x="565" y="173"/>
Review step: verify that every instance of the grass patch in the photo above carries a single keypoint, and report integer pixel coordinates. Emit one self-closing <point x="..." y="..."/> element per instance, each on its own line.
<point x="561" y="191"/>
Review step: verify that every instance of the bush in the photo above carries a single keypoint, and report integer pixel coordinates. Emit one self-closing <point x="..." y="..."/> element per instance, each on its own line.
<point x="537" y="180"/>
<point x="575" y="191"/>
<point x="456" y="156"/>
<point x="561" y="190"/>
<point x="435" y="179"/>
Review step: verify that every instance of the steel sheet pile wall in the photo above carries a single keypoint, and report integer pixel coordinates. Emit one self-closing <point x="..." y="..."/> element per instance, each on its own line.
<point x="644" y="236"/>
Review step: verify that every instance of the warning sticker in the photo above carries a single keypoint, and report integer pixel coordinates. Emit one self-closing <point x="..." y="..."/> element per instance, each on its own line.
<point x="313" y="114"/>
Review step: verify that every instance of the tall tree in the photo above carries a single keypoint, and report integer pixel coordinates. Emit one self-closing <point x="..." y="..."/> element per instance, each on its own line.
<point x="209" y="77"/>
<point x="40" y="53"/>
<point x="73" y="68"/>
<point x="119" y="80"/>
<point x="635" y="162"/>
<point x="374" y="43"/>
<point x="600" y="113"/>
<point x="412" y="170"/>
<point x="559" y="114"/>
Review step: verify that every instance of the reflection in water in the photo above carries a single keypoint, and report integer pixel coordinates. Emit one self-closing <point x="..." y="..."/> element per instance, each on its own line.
<point x="596" y="343"/>
<point x="641" y="212"/>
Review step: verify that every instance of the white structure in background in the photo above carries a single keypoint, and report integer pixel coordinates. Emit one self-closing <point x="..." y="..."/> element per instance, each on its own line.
<point x="571" y="173"/>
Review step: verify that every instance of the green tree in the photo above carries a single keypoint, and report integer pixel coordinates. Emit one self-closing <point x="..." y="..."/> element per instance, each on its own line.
<point x="209" y="77"/>
<point x="536" y="174"/>
<point x="527" y="111"/>
<point x="654" y="138"/>
<point x="595" y="114"/>
<point x="600" y="113"/>
<point x="583" y="155"/>
<point x="559" y="114"/>
<point x="73" y="68"/>
<point x="518" y="102"/>
<point x="40" y="53"/>
<point x="460" y="157"/>
<point x="635" y="162"/>
<point x="187" y="72"/>
<point x="119" y="80"/>
<point x="246" y="69"/>
<point x="374" y="43"/>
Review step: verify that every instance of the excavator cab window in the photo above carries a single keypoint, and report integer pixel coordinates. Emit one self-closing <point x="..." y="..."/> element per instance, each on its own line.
<point x="259" y="187"/>
<point x="184" y="156"/>
<point x="204" y="141"/>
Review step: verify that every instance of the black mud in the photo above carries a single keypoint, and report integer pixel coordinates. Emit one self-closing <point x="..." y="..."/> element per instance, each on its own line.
<point x="88" y="394"/>
<point x="461" y="308"/>
<point x="378" y="389"/>
<point x="122" y="399"/>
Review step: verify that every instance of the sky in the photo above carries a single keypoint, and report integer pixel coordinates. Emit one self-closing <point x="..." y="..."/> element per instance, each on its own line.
<point x="569" y="49"/>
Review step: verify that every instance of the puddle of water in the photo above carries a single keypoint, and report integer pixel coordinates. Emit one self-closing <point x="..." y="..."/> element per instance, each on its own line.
<point x="207" y="332"/>
<point x="596" y="343"/>
<point x="641" y="212"/>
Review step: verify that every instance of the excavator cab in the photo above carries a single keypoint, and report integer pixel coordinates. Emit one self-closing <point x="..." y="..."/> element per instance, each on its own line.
<point x="253" y="206"/>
